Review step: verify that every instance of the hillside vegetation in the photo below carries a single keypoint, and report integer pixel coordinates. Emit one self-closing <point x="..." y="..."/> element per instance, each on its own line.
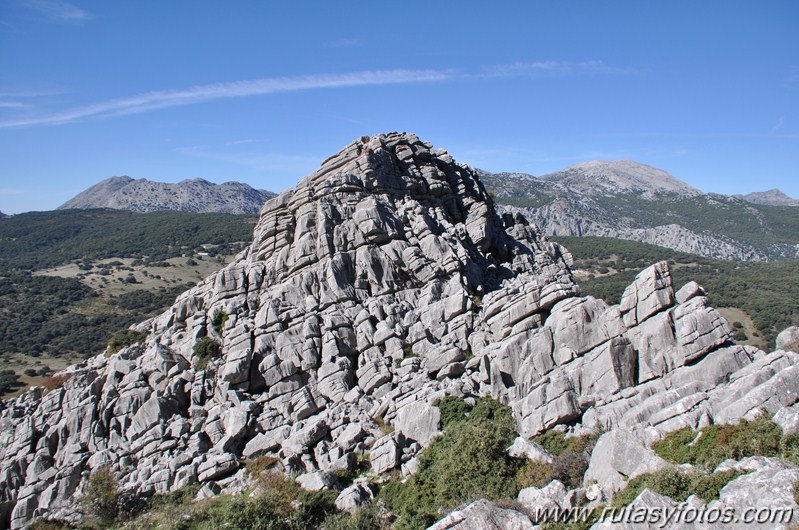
<point x="592" y="205"/>
<point x="767" y="292"/>
<point x="37" y="240"/>
<point x="71" y="279"/>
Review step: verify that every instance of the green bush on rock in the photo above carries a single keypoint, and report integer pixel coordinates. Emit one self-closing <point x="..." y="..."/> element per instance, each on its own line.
<point x="713" y="444"/>
<point x="468" y="461"/>
<point x="204" y="350"/>
<point x="123" y="339"/>
<point x="218" y="321"/>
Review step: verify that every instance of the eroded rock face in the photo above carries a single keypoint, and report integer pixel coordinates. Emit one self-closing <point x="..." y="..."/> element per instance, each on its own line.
<point x="382" y="283"/>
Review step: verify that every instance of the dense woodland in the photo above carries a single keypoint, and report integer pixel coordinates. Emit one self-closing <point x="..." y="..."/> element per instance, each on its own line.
<point x="49" y="315"/>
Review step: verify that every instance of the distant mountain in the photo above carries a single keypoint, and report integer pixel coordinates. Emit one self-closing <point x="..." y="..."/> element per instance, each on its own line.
<point x="628" y="200"/>
<point x="3" y="215"/>
<point x="197" y="195"/>
<point x="773" y="197"/>
<point x="621" y="176"/>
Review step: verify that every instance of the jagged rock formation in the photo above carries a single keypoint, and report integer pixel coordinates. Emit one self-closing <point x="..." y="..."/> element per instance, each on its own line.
<point x="382" y="283"/>
<point x="773" y="197"/>
<point x="627" y="200"/>
<point x="197" y="195"/>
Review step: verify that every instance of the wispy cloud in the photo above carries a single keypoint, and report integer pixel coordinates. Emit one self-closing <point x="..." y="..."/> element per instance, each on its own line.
<point x="554" y="69"/>
<point x="12" y="105"/>
<point x="778" y="125"/>
<point x="236" y="89"/>
<point x="58" y="10"/>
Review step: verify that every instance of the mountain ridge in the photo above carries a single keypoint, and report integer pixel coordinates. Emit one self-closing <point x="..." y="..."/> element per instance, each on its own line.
<point x="619" y="176"/>
<point x="772" y="197"/>
<point x="190" y="195"/>
<point x="629" y="200"/>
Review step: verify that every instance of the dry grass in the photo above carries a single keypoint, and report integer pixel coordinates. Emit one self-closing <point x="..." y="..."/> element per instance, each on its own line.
<point x="148" y="277"/>
<point x="55" y="381"/>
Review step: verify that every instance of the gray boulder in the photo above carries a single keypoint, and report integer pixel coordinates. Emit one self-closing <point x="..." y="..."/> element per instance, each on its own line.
<point x="484" y="515"/>
<point x="788" y="339"/>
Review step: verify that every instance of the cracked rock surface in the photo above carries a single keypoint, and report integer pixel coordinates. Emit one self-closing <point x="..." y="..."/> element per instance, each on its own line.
<point x="383" y="282"/>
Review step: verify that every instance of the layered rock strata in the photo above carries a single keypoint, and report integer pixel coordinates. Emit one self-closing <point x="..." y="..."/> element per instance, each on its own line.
<point x="383" y="282"/>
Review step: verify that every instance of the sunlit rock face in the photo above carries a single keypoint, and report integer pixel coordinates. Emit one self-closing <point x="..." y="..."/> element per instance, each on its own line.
<point x="383" y="282"/>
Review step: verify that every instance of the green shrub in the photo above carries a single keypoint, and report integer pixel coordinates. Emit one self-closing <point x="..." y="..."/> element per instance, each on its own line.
<point x="256" y="466"/>
<point x="677" y="485"/>
<point x="716" y="443"/>
<point x="218" y="320"/>
<point x="468" y="461"/>
<point x="571" y="458"/>
<point x="123" y="339"/>
<point x="452" y="409"/>
<point x="178" y="497"/>
<point x="282" y="506"/>
<point x="204" y="350"/>
<point x="265" y="512"/>
<point x="41" y="524"/>
<point x="368" y="517"/>
<point x="535" y="473"/>
<point x="102" y="496"/>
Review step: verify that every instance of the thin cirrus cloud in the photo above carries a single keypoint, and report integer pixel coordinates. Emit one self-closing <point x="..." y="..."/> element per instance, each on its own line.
<point x="554" y="69"/>
<point x="172" y="98"/>
<point x="58" y="10"/>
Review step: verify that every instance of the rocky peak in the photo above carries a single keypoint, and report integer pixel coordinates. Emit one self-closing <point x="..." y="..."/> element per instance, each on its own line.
<point x="620" y="176"/>
<point x="383" y="282"/>
<point x="773" y="197"/>
<point x="195" y="195"/>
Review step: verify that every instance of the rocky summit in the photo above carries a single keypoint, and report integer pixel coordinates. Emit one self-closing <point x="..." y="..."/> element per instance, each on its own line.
<point x="383" y="282"/>
<point x="196" y="195"/>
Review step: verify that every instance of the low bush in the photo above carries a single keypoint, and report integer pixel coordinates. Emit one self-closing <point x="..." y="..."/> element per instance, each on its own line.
<point x="571" y="458"/>
<point x="55" y="381"/>
<point x="677" y="485"/>
<point x="123" y="339"/>
<point x="218" y="321"/>
<point x="102" y="496"/>
<point x="204" y="350"/>
<point x="452" y="409"/>
<point x="255" y="467"/>
<point x="468" y="461"/>
<point x="713" y="444"/>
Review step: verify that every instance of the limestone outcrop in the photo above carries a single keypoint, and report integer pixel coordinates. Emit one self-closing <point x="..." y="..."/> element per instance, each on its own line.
<point x="383" y="282"/>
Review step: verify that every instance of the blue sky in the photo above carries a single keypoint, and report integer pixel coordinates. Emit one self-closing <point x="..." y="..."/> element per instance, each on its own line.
<point x="262" y="92"/>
